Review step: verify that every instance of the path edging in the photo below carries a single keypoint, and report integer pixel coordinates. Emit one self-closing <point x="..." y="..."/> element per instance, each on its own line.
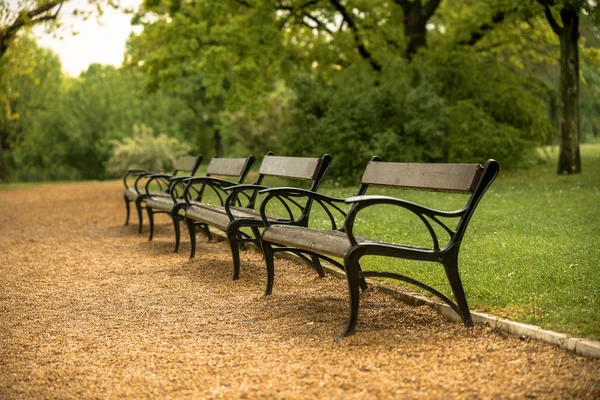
<point x="577" y="345"/>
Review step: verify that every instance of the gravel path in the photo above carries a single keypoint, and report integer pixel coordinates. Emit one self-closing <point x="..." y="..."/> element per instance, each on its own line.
<point x="90" y="309"/>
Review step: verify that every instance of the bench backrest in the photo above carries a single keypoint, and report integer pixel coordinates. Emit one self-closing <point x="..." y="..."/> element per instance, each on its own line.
<point x="188" y="164"/>
<point x="461" y="178"/>
<point x="302" y="168"/>
<point x="299" y="168"/>
<point x="238" y="167"/>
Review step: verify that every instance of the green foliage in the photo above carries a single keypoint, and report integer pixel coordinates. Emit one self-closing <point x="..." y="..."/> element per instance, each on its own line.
<point x="259" y="132"/>
<point x="146" y="151"/>
<point x="460" y="108"/>
<point x="65" y="135"/>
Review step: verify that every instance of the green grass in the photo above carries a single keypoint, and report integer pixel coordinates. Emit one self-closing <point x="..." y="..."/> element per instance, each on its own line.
<point x="531" y="252"/>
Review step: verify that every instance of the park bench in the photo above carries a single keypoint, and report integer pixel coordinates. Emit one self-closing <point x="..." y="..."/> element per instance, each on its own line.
<point x="341" y="242"/>
<point x="236" y="208"/>
<point x="173" y="203"/>
<point x="134" y="192"/>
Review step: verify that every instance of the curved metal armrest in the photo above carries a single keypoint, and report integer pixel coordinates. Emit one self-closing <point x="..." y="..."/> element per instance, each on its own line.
<point x="134" y="173"/>
<point x="299" y="192"/>
<point x="235" y="191"/>
<point x="361" y="202"/>
<point x="214" y="183"/>
<point x="285" y="193"/>
<point x="370" y="200"/>
<point x="207" y="179"/>
<point x="155" y="177"/>
<point x="243" y="187"/>
<point x="179" y="178"/>
<point x="177" y="181"/>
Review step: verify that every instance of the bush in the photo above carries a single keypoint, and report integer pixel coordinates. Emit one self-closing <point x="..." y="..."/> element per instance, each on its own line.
<point x="353" y="118"/>
<point x="451" y="107"/>
<point x="144" y="150"/>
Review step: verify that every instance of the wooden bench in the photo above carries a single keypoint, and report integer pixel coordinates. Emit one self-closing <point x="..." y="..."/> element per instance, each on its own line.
<point x="236" y="208"/>
<point x="341" y="242"/>
<point x="173" y="202"/>
<point x="134" y="180"/>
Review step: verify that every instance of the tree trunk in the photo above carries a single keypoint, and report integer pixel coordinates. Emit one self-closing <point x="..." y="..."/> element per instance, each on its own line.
<point x="416" y="15"/>
<point x="3" y="171"/>
<point x="218" y="143"/>
<point x="414" y="27"/>
<point x="569" y="160"/>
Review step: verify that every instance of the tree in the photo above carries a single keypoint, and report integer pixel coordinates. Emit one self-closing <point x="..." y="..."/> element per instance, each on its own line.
<point x="29" y="13"/>
<point x="569" y="161"/>
<point x="16" y="17"/>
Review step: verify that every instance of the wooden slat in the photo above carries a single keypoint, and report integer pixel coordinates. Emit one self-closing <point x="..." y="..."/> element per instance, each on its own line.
<point x="185" y="163"/>
<point x="440" y="177"/>
<point x="332" y="243"/>
<point x="290" y="167"/>
<point x="227" y="166"/>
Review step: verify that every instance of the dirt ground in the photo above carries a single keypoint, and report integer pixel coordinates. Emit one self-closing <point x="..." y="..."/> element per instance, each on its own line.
<point x="91" y="309"/>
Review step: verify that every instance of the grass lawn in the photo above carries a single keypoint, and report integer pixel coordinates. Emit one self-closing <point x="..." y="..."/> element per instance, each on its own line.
<point x="531" y="252"/>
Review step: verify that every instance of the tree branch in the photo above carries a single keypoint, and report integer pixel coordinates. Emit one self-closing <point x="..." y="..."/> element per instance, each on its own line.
<point x="429" y="8"/>
<point x="362" y="50"/>
<point x="320" y="24"/>
<point x="479" y="33"/>
<point x="402" y="3"/>
<point x="244" y="3"/>
<point x="548" y="13"/>
<point x="25" y="17"/>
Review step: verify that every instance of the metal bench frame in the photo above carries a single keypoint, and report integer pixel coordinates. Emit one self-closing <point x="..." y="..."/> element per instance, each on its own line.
<point x="463" y="178"/>
<point x="188" y="164"/>
<point x="232" y="200"/>
<point x="223" y="167"/>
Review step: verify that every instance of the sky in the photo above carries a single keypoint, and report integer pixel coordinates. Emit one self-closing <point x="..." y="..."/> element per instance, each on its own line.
<point x="102" y="43"/>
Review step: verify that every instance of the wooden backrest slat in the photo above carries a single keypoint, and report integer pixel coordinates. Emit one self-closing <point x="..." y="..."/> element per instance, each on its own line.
<point x="227" y="166"/>
<point x="290" y="167"/>
<point x="185" y="164"/>
<point x="436" y="177"/>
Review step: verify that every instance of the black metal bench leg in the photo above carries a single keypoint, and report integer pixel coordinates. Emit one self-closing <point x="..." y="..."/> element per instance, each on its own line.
<point x="317" y="264"/>
<point x="268" y="252"/>
<point x="235" y="251"/>
<point x="361" y="281"/>
<point x="451" y="268"/>
<point x="176" y="225"/>
<point x="352" y="268"/>
<point x="206" y="230"/>
<point x="192" y="230"/>
<point x="138" y="207"/>
<point x="151" y="221"/>
<point x="127" y="201"/>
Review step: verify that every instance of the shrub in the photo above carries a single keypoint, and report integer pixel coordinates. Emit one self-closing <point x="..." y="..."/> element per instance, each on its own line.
<point x="146" y="151"/>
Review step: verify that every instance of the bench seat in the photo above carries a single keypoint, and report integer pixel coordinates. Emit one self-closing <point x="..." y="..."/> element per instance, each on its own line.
<point x="332" y="243"/>
<point x="162" y="202"/>
<point x="131" y="194"/>
<point x="217" y="215"/>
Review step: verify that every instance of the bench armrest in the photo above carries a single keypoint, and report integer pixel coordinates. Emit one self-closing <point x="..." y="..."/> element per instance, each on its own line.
<point x="234" y="193"/>
<point x="286" y="195"/>
<point x="160" y="179"/>
<point x="192" y="192"/>
<point x="362" y="202"/>
<point x="131" y="173"/>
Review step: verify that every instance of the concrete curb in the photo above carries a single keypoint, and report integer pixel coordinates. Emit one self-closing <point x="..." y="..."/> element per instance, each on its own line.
<point x="580" y="346"/>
